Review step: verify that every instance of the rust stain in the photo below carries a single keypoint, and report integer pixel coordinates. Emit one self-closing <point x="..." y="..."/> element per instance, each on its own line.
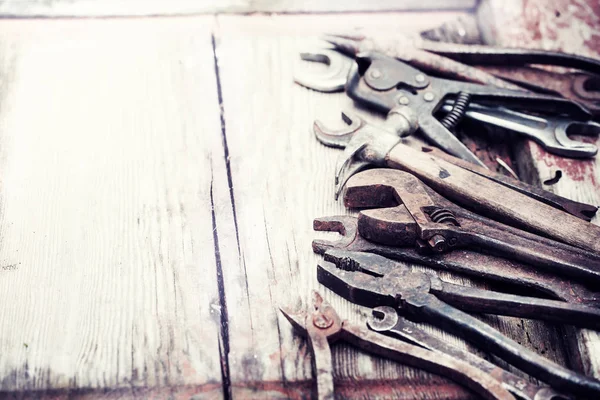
<point x="575" y="170"/>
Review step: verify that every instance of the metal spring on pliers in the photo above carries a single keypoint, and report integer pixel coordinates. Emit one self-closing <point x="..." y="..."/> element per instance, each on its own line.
<point x="443" y="216"/>
<point x="458" y="110"/>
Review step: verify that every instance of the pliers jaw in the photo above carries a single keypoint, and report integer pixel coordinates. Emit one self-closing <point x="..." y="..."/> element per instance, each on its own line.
<point x="362" y="278"/>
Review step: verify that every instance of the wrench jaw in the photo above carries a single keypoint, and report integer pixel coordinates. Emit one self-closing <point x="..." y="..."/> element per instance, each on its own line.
<point x="345" y="225"/>
<point x="574" y="148"/>
<point x="338" y="138"/>
<point x="335" y="76"/>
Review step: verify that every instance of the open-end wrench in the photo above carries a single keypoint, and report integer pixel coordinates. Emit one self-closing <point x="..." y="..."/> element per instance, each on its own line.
<point x="322" y="324"/>
<point x="385" y="319"/>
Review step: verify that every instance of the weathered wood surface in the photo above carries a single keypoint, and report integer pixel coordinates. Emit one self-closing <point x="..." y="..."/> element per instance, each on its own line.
<point x="110" y="145"/>
<point x="282" y="178"/>
<point x="570" y="26"/>
<point x="143" y="238"/>
<point x="111" y="8"/>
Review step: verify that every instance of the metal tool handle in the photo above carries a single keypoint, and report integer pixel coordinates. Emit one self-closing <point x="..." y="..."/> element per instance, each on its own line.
<point x="490" y="55"/>
<point x="322" y="367"/>
<point x="552" y="257"/>
<point x="438" y="313"/>
<point x="550" y="132"/>
<point x="457" y="370"/>
<point x="472" y="299"/>
<point x="386" y="320"/>
<point x="481" y="194"/>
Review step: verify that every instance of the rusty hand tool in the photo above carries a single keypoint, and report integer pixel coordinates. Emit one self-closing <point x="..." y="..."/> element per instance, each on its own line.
<point x="431" y="227"/>
<point x="483" y="266"/>
<point x="552" y="133"/>
<point x="372" y="281"/>
<point x="366" y="144"/>
<point x="456" y="60"/>
<point x="406" y="48"/>
<point x="386" y="320"/>
<point x="382" y="82"/>
<point x="332" y="80"/>
<point x="321" y="324"/>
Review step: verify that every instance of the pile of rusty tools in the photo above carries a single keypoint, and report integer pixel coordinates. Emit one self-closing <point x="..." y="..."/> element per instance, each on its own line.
<point x="438" y="205"/>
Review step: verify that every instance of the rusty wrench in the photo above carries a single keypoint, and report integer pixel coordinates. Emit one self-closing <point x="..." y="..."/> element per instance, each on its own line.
<point x="321" y="324"/>
<point x="385" y="319"/>
<point x="434" y="228"/>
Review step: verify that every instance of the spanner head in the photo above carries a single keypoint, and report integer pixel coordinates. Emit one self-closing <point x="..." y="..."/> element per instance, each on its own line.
<point x="382" y="318"/>
<point x="345" y="225"/>
<point x="332" y="79"/>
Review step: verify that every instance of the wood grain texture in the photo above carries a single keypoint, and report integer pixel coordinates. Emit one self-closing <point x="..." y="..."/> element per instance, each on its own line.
<point x="110" y="144"/>
<point x="283" y="178"/>
<point x="570" y="26"/>
<point x="111" y="8"/>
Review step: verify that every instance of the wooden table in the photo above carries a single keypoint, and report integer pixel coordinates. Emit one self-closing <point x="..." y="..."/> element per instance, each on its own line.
<point x="158" y="184"/>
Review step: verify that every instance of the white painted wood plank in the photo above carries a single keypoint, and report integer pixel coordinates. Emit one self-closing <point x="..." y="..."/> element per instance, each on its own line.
<point x="110" y="8"/>
<point x="109" y="145"/>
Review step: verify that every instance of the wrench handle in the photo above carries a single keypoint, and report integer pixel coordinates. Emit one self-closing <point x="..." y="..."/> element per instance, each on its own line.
<point x="494" y="200"/>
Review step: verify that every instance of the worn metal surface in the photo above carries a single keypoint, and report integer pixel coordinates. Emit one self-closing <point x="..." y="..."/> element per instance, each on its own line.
<point x="483" y="266"/>
<point x="366" y="144"/>
<point x="553" y="132"/>
<point x="372" y="281"/>
<point x="440" y="227"/>
<point x="322" y="324"/>
<point x="383" y="82"/>
<point x="385" y="319"/>
<point x="409" y="48"/>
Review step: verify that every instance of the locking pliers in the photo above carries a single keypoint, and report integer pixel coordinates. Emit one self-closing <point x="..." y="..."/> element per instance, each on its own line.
<point x="381" y="82"/>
